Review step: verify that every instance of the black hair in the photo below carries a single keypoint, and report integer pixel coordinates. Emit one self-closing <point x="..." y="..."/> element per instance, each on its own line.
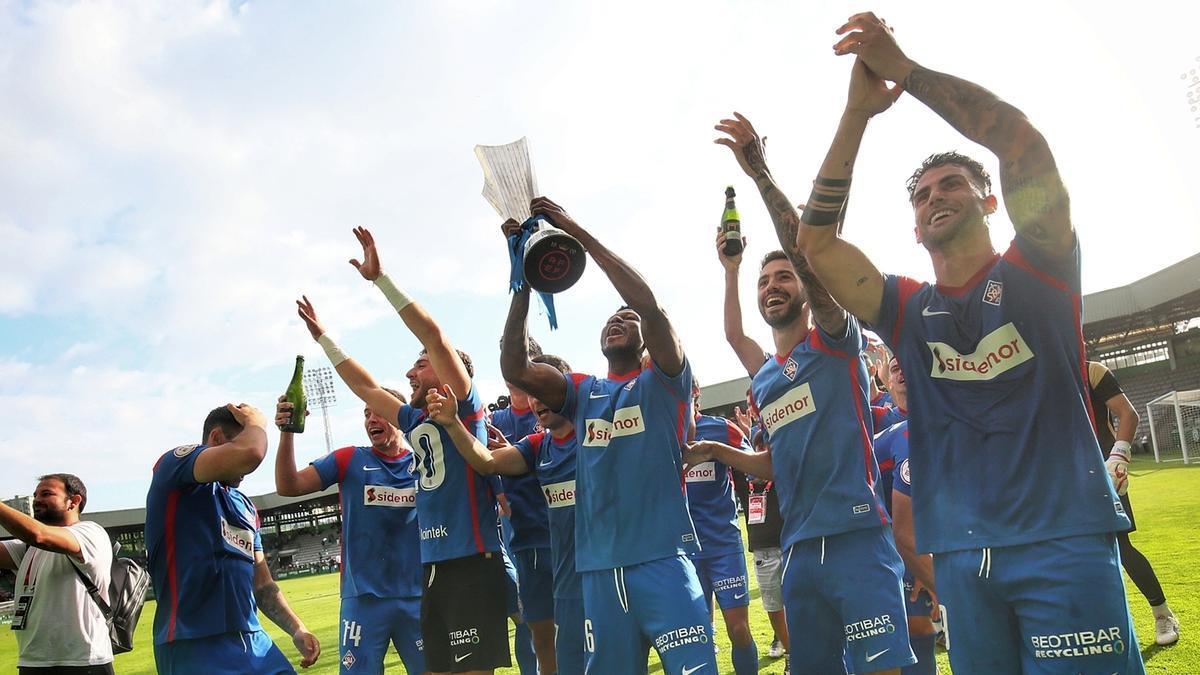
<point x="980" y="175"/>
<point x="464" y="357"/>
<point x="71" y="484"/>
<point x="222" y="418"/>
<point x="556" y="361"/>
<point x="772" y="256"/>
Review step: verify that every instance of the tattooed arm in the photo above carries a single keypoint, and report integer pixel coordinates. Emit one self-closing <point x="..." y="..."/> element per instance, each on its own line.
<point x="747" y="147"/>
<point x="275" y="607"/>
<point x="1034" y="194"/>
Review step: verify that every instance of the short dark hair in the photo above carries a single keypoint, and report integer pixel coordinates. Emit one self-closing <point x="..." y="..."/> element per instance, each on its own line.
<point x="531" y="346"/>
<point x="71" y="484"/>
<point x="552" y="360"/>
<point x="221" y="417"/>
<point x="462" y="356"/>
<point x="772" y="256"/>
<point x="980" y="174"/>
<point x="398" y="395"/>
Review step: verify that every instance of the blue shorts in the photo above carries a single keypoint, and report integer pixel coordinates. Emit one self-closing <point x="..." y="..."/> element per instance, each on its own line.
<point x="923" y="605"/>
<point x="225" y="654"/>
<point x="569" y="640"/>
<point x="1054" y="606"/>
<point x="656" y="604"/>
<point x="846" y="592"/>
<point x="535" y="583"/>
<point x="725" y="575"/>
<point x="369" y="623"/>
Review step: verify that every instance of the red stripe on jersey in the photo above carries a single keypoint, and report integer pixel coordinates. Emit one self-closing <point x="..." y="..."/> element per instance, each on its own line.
<point x="341" y="458"/>
<point x="624" y="377"/>
<point x="1013" y="255"/>
<point x="735" y="434"/>
<point x="475" y="416"/>
<point x="782" y="358"/>
<point x="973" y="281"/>
<point x="342" y="540"/>
<point x="907" y="287"/>
<point x="474" y="511"/>
<point x="887" y="465"/>
<point x="172" y="574"/>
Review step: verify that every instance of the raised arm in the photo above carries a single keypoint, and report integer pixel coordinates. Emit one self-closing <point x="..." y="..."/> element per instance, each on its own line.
<point x="850" y="277"/>
<point x="275" y="607"/>
<point x="749" y="353"/>
<point x="542" y="381"/>
<point x="288" y="481"/>
<point x="751" y="462"/>
<point x="442" y="355"/>
<point x="748" y="148"/>
<point x="239" y="455"/>
<point x="36" y="533"/>
<point x="354" y="375"/>
<point x="505" y="460"/>
<point x="1034" y="193"/>
<point x="659" y="336"/>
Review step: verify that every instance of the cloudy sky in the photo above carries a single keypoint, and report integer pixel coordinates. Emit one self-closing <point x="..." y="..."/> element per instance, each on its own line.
<point x="174" y="174"/>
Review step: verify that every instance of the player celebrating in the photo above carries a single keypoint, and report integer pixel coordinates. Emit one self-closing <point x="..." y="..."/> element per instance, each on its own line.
<point x="891" y="453"/>
<point x="1009" y="488"/>
<point x="841" y="580"/>
<point x="720" y="563"/>
<point x="381" y="541"/>
<point x="549" y="456"/>
<point x="206" y="557"/>
<point x="634" y="532"/>
<point x="463" y="601"/>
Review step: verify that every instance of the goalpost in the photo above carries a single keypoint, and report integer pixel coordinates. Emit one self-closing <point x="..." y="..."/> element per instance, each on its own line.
<point x="1175" y="426"/>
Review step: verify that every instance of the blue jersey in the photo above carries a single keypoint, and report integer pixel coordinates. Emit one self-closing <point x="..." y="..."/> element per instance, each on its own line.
<point x="381" y="541"/>
<point x="710" y="491"/>
<point x="631" y="504"/>
<point x="999" y="410"/>
<point x="891" y="453"/>
<point x="886" y="416"/>
<point x="553" y="460"/>
<point x="813" y="402"/>
<point x="529" y="521"/>
<point x="201" y="540"/>
<point x="455" y="506"/>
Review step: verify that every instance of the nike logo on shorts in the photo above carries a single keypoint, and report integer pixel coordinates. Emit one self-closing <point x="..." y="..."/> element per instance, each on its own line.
<point x="739" y="596"/>
<point x="689" y="671"/>
<point x="926" y="312"/>
<point x="459" y="659"/>
<point x="872" y="657"/>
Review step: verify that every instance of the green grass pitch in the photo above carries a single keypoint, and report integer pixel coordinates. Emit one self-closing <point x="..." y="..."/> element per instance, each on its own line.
<point x="1166" y="501"/>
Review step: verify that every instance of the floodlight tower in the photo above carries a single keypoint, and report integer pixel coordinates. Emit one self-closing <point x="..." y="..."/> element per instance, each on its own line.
<point x="318" y="387"/>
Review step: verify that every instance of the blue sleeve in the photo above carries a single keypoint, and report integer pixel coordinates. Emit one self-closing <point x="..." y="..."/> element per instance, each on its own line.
<point x="679" y="386"/>
<point x="851" y="342"/>
<point x="495" y="484"/>
<point x="258" y="539"/>
<point x="175" y="468"/>
<point x="332" y="467"/>
<point x="527" y="452"/>
<point x="1065" y="269"/>
<point x="897" y="291"/>
<point x="901" y="480"/>
<point x="571" y="400"/>
<point x="404" y="420"/>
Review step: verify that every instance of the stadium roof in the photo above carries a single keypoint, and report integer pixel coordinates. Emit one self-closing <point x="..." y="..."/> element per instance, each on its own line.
<point x="1157" y="293"/>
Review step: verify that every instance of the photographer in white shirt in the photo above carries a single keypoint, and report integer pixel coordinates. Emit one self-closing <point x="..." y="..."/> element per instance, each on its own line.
<point x="58" y="626"/>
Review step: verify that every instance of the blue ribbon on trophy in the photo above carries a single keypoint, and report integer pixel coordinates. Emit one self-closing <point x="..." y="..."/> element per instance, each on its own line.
<point x="541" y="255"/>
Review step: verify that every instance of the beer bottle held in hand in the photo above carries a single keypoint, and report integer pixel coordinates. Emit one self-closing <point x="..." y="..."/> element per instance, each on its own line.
<point x="295" y="396"/>
<point x="731" y="226"/>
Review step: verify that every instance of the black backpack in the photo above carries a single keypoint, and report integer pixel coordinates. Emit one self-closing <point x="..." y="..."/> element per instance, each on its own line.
<point x="127" y="590"/>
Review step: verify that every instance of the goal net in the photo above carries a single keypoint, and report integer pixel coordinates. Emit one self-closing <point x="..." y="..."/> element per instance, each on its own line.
<point x="1174" y="421"/>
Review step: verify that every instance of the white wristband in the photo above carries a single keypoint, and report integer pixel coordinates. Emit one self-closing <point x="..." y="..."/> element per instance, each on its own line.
<point x="335" y="353"/>
<point x="394" y="295"/>
<point x="1121" y="448"/>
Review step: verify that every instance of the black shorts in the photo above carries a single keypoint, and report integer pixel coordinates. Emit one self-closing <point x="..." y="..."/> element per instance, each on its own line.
<point x="102" y="669"/>
<point x="464" y="619"/>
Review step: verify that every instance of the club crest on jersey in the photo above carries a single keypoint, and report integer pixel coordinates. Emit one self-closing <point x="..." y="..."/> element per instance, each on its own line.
<point x="626" y="422"/>
<point x="993" y="292"/>
<point x="796" y="403"/>
<point x="790" y="369"/>
<point x="384" y="495"/>
<point x="629" y="387"/>
<point x="184" y="450"/>
<point x="997" y="353"/>
<point x="559" y="495"/>
<point x="904" y="473"/>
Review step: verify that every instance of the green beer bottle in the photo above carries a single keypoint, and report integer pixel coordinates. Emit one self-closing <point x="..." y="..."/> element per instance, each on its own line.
<point x="731" y="226"/>
<point x="295" y="396"/>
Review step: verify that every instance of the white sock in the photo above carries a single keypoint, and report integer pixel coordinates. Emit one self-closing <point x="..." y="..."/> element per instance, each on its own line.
<point x="1161" y="611"/>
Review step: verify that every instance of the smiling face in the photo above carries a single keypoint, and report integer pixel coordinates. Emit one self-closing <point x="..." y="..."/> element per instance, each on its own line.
<point x="422" y="378"/>
<point x="381" y="432"/>
<point x="780" y="295"/>
<point x="947" y="203"/>
<point x="622" y="335"/>
<point x="50" y="502"/>
<point x="547" y="418"/>
<point x="896" y="384"/>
